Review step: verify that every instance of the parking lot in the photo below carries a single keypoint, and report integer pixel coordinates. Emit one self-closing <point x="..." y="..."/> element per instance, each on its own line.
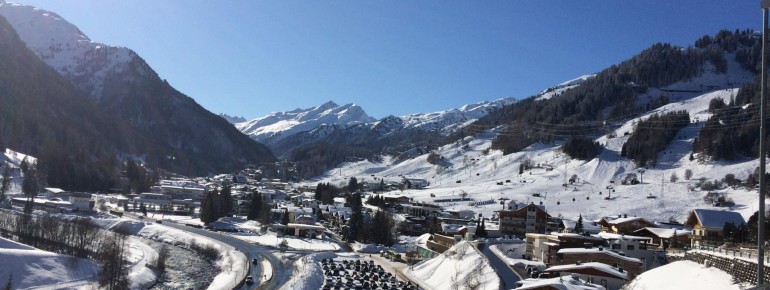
<point x="358" y="274"/>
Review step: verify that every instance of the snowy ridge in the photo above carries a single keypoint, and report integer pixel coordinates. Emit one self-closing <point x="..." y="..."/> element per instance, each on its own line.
<point x="451" y="120"/>
<point x="278" y="125"/>
<point x="326" y="119"/>
<point x="563" y="87"/>
<point x="65" y="48"/>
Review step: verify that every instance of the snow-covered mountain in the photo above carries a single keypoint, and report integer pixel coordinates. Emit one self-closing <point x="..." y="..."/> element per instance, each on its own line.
<point x="450" y="120"/>
<point x="276" y="126"/>
<point x="127" y="90"/>
<point x="471" y="167"/>
<point x="65" y="48"/>
<point x="285" y="130"/>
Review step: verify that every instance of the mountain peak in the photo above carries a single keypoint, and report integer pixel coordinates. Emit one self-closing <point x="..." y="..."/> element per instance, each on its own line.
<point x="278" y="125"/>
<point x="233" y="119"/>
<point x="328" y="105"/>
<point x="65" y="48"/>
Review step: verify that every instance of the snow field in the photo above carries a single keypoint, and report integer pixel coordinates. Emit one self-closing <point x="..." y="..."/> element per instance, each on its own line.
<point x="460" y="267"/>
<point x="29" y="267"/>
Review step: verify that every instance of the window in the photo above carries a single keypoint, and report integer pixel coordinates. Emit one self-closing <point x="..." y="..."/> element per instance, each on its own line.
<point x="616" y="246"/>
<point x="629" y="247"/>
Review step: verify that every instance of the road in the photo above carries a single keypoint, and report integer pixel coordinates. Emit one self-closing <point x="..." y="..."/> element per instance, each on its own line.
<point x="507" y="276"/>
<point x="280" y="273"/>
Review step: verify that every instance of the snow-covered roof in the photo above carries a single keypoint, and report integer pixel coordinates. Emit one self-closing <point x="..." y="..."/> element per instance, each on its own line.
<point x="714" y="219"/>
<point x="591" y="265"/>
<point x="54" y="190"/>
<point x="611" y="236"/>
<point x="561" y="283"/>
<point x="576" y="235"/>
<point x="597" y="251"/>
<point x="588" y="226"/>
<point x="664" y="233"/>
<point x="452" y="228"/>
<point x="615" y="221"/>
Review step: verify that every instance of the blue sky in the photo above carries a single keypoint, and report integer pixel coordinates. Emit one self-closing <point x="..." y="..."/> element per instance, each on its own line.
<point x="250" y="58"/>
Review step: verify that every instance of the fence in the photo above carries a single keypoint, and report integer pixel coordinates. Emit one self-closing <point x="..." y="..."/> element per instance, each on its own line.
<point x="742" y="270"/>
<point x="742" y="252"/>
<point x="483" y="202"/>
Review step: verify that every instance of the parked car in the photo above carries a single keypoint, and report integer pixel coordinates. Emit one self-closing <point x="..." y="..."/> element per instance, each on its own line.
<point x="254" y="261"/>
<point x="249" y="280"/>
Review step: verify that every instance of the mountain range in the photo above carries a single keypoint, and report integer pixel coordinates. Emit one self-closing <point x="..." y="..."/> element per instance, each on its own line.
<point x="83" y="108"/>
<point x="284" y="131"/>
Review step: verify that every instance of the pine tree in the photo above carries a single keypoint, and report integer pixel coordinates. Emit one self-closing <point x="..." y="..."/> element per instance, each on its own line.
<point x="255" y="206"/>
<point x="225" y="202"/>
<point x="356" y="218"/>
<point x="352" y="184"/>
<point x="5" y="185"/>
<point x="579" y="225"/>
<point x="207" y="208"/>
<point x="143" y="209"/>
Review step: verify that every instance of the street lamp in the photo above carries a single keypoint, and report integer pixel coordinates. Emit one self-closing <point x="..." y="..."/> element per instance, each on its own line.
<point x="765" y="4"/>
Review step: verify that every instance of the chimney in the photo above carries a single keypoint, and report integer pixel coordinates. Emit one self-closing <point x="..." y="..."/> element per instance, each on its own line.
<point x="625" y="215"/>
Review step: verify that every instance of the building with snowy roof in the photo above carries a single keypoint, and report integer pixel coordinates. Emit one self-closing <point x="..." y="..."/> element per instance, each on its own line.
<point x="528" y="219"/>
<point x="669" y="237"/>
<point x="611" y="278"/>
<point x="568" y="256"/>
<point x="624" y="224"/>
<point x="707" y="225"/>
<point x="590" y="227"/>
<point x="543" y="247"/>
<point x="559" y="283"/>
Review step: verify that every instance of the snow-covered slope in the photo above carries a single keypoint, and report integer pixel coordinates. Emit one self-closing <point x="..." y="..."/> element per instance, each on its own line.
<point x="450" y="120"/>
<point x="471" y="168"/>
<point x="684" y="275"/>
<point x="28" y="267"/>
<point x="276" y="126"/>
<point x="65" y="48"/>
<point x="563" y="87"/>
<point x="460" y="267"/>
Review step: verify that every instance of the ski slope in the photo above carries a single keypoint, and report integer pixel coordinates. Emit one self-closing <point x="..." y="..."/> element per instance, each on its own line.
<point x="471" y="169"/>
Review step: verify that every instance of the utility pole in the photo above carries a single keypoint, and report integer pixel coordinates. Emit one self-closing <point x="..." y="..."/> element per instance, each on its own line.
<point x="765" y="4"/>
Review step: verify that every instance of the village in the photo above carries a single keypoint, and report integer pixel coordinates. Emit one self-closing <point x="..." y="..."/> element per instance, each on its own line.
<point x="539" y="246"/>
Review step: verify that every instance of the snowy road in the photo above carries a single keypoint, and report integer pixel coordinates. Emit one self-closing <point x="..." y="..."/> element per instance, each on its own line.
<point x="280" y="273"/>
<point x="140" y="275"/>
<point x="507" y="276"/>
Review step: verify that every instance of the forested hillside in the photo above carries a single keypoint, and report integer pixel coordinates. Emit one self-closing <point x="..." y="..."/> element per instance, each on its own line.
<point x="42" y="114"/>
<point x="592" y="108"/>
